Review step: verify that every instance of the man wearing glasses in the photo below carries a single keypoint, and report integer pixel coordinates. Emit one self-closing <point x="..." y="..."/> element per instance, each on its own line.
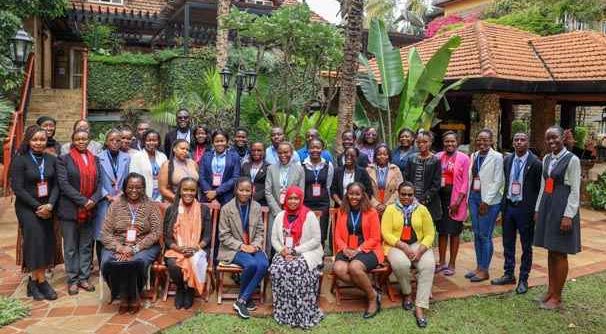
<point x="183" y="131"/>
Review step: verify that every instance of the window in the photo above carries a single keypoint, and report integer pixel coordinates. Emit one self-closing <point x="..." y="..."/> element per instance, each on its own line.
<point x="109" y="2"/>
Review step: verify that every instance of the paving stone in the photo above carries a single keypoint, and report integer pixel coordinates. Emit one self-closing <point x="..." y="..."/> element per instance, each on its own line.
<point x="110" y="329"/>
<point x="61" y="311"/>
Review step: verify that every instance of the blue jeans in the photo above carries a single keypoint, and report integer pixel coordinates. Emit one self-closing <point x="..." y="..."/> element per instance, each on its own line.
<point x="254" y="268"/>
<point x="483" y="227"/>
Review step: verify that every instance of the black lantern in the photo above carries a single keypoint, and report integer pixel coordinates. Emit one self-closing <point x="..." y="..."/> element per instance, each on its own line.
<point x="251" y="80"/>
<point x="225" y="77"/>
<point x="20" y="47"/>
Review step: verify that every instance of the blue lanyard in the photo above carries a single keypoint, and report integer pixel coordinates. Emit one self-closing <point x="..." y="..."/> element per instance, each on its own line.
<point x="114" y="164"/>
<point x="133" y="214"/>
<point x="155" y="167"/>
<point x="355" y="221"/>
<point x="382" y="176"/>
<point x="284" y="176"/>
<point x="40" y="166"/>
<point x="218" y="163"/>
<point x="245" y="221"/>
<point x="479" y="162"/>
<point x="518" y="169"/>
<point x="316" y="173"/>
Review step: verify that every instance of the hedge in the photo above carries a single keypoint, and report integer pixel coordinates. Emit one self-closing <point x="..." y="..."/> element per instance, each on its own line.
<point x="115" y="80"/>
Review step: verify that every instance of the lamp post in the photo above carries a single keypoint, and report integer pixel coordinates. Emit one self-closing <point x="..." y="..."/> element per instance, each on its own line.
<point x="245" y="80"/>
<point x="20" y="47"/>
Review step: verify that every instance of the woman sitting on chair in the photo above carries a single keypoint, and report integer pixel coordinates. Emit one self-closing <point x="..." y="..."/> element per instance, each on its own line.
<point x="358" y="244"/>
<point x="241" y="236"/>
<point x="130" y="236"/>
<point x="408" y="234"/>
<point x="186" y="236"/>
<point x="295" y="269"/>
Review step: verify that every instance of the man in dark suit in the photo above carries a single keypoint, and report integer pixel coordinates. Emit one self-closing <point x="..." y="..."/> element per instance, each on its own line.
<point x="522" y="172"/>
<point x="138" y="143"/>
<point x="183" y="131"/>
<point x="348" y="138"/>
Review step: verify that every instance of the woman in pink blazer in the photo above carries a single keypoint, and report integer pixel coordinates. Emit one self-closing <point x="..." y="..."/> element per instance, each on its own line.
<point x="453" y="195"/>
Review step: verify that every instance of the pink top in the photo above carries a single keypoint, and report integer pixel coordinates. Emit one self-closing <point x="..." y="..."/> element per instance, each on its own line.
<point x="460" y="183"/>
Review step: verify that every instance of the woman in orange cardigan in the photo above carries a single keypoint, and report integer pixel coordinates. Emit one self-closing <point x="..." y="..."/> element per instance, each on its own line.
<point x="358" y="244"/>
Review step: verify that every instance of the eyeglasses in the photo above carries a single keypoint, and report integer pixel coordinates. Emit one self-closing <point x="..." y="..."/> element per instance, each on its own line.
<point x="407" y="194"/>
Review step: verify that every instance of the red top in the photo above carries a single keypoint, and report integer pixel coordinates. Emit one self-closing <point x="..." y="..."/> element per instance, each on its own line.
<point x="371" y="230"/>
<point x="448" y="163"/>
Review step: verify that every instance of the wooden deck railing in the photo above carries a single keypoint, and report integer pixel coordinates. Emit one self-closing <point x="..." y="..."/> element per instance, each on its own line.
<point x="17" y="125"/>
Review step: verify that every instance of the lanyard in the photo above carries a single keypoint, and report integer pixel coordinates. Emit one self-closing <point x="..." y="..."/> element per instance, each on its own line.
<point x="133" y="214"/>
<point x="382" y="176"/>
<point x="114" y="164"/>
<point x="245" y="221"/>
<point x="355" y="221"/>
<point x="40" y="166"/>
<point x="316" y="173"/>
<point x="154" y="166"/>
<point x="479" y="161"/>
<point x="284" y="176"/>
<point x="519" y="165"/>
<point x="218" y="163"/>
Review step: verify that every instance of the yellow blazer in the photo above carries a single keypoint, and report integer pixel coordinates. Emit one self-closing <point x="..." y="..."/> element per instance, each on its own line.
<point x="392" y="223"/>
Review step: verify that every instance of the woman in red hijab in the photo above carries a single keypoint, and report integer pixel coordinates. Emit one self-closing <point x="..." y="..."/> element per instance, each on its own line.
<point x="295" y="269"/>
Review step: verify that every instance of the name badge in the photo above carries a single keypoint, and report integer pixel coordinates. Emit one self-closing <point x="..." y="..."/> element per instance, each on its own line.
<point x="282" y="197"/>
<point x="406" y="233"/>
<point x="516" y="188"/>
<point x="476" y="184"/>
<point x="443" y="182"/>
<point x="131" y="234"/>
<point x="155" y="183"/>
<point x="217" y="179"/>
<point x="316" y="190"/>
<point x="549" y="185"/>
<point x="42" y="189"/>
<point x="352" y="241"/>
<point x="288" y="242"/>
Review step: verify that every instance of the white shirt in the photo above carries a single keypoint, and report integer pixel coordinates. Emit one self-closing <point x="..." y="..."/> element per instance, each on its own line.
<point x="512" y="174"/>
<point x="572" y="178"/>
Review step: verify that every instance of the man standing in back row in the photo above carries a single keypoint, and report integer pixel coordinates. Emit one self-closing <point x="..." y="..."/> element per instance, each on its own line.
<point x="183" y="131"/>
<point x="522" y="171"/>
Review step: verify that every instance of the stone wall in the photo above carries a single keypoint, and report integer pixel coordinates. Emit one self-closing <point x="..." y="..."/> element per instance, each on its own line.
<point x="489" y="110"/>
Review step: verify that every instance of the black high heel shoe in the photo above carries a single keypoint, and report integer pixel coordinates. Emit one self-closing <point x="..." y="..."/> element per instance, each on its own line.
<point x="33" y="291"/>
<point x="373" y="314"/>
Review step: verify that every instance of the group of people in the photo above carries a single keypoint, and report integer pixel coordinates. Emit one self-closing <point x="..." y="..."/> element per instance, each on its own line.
<point x="103" y="199"/>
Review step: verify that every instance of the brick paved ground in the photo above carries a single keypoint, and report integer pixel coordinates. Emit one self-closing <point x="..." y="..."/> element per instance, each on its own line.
<point x="86" y="313"/>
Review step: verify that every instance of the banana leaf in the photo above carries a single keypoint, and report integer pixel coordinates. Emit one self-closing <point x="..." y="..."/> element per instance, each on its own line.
<point x="387" y="57"/>
<point x="369" y="85"/>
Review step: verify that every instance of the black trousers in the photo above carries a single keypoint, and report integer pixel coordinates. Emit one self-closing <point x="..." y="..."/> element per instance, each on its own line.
<point x="174" y="271"/>
<point x="518" y="219"/>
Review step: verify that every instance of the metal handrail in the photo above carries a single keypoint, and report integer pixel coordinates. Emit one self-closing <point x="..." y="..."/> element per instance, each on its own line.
<point x="18" y="123"/>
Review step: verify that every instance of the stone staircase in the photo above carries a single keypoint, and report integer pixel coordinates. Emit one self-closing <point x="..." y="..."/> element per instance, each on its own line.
<point x="64" y="105"/>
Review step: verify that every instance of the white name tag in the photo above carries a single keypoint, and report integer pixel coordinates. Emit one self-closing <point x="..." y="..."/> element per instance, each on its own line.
<point x="443" y="182"/>
<point x="288" y="242"/>
<point x="476" y="184"/>
<point x="516" y="188"/>
<point x="131" y="235"/>
<point x="316" y="190"/>
<point x="42" y="189"/>
<point x="217" y="179"/>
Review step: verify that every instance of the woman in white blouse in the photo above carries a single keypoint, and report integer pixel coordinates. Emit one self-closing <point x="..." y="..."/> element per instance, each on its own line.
<point x="147" y="162"/>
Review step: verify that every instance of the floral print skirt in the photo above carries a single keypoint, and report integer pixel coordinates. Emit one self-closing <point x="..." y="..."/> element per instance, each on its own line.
<point x="295" y="292"/>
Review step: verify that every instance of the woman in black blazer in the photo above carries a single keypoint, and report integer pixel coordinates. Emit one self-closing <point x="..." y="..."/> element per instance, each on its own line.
<point x="256" y="170"/>
<point x="33" y="179"/>
<point x="348" y="173"/>
<point x="79" y="177"/>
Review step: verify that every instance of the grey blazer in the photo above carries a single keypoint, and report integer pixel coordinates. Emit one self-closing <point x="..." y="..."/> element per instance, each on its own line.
<point x="230" y="229"/>
<point x="296" y="176"/>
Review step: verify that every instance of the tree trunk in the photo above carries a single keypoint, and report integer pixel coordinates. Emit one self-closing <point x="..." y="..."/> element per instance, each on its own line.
<point x="349" y="69"/>
<point x="222" y="43"/>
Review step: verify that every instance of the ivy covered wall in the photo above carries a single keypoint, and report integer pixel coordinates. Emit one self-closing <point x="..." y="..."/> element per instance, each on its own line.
<point x="142" y="80"/>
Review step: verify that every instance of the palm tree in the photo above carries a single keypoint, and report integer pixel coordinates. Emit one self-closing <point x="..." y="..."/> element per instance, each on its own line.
<point x="352" y="12"/>
<point x="222" y="43"/>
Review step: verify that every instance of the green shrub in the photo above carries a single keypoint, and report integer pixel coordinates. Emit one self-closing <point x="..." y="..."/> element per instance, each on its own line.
<point x="100" y="38"/>
<point x="518" y="126"/>
<point x="533" y="19"/>
<point x="597" y="191"/>
<point x="11" y="310"/>
<point x="580" y="136"/>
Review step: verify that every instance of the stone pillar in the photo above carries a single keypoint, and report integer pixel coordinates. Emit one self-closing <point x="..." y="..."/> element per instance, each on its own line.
<point x="542" y="117"/>
<point x="489" y="109"/>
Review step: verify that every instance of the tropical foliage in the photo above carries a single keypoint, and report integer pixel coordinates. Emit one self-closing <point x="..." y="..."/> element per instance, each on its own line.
<point x="597" y="191"/>
<point x="325" y="124"/>
<point x="100" y="38"/>
<point x="300" y="48"/>
<point x="420" y="90"/>
<point x="11" y="310"/>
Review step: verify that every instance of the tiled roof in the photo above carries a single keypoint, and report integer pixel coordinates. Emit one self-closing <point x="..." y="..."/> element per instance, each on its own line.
<point x="491" y="50"/>
<point x="314" y="16"/>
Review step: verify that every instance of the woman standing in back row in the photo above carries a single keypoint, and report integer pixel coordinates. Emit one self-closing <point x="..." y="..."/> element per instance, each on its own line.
<point x="557" y="214"/>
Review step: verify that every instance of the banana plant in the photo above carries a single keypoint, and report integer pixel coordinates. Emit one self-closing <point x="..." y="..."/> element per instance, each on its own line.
<point x="421" y="90"/>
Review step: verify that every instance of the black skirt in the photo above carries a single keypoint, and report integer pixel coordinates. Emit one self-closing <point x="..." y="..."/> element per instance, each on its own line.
<point x="38" y="245"/>
<point x="447" y="225"/>
<point x="369" y="259"/>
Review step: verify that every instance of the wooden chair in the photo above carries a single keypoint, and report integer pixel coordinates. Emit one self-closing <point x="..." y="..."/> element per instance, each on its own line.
<point x="159" y="268"/>
<point x="380" y="275"/>
<point x="223" y="268"/>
